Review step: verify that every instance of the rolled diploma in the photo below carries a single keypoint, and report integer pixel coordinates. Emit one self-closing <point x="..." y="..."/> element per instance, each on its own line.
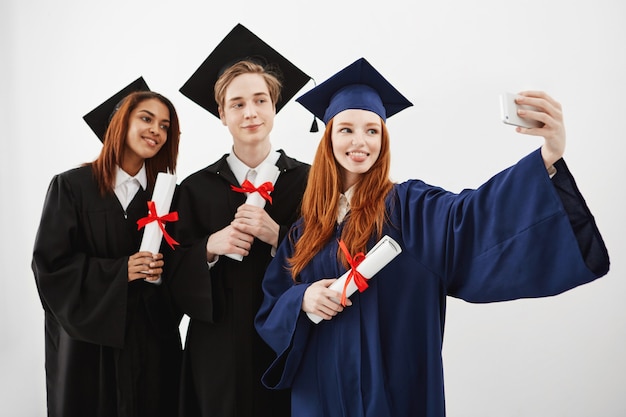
<point x="162" y="198"/>
<point x="380" y="255"/>
<point x="265" y="173"/>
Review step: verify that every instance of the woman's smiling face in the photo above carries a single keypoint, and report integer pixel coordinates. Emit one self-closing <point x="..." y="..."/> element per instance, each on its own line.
<point x="356" y="140"/>
<point x="148" y="128"/>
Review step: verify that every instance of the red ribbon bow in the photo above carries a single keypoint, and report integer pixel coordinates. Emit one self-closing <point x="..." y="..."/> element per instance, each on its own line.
<point x="264" y="189"/>
<point x="359" y="280"/>
<point x="152" y="216"/>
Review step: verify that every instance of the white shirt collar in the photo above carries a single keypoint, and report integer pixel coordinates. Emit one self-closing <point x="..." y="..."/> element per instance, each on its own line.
<point x="126" y="186"/>
<point x="343" y="206"/>
<point x="241" y="170"/>
<point x="122" y="176"/>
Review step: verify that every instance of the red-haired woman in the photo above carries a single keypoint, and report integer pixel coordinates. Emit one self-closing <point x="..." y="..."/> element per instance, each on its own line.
<point x="525" y="233"/>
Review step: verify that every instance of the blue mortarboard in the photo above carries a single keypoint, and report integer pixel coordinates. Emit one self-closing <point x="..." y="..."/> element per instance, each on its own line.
<point x="357" y="86"/>
<point x="241" y="44"/>
<point x="99" y="118"/>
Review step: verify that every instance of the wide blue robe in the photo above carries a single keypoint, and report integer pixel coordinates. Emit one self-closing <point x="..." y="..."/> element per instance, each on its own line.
<point x="519" y="235"/>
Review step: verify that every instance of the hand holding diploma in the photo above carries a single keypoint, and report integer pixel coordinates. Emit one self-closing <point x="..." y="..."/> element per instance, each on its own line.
<point x="380" y="255"/>
<point x="145" y="265"/>
<point x="259" y="191"/>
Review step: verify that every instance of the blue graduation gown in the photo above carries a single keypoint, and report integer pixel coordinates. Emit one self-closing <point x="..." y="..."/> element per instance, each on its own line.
<point x="519" y="235"/>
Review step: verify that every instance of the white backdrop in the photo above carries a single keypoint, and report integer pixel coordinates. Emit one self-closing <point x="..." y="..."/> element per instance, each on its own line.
<point x="559" y="356"/>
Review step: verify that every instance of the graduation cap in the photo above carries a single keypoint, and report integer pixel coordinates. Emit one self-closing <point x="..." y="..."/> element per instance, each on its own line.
<point x="357" y="86"/>
<point x="240" y="44"/>
<point x="99" y="118"/>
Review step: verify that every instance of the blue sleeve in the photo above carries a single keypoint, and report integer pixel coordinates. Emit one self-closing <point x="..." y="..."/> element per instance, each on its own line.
<point x="510" y="238"/>
<point x="280" y="321"/>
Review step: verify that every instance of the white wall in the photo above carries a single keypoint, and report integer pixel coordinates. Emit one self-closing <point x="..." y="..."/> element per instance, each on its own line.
<point x="560" y="356"/>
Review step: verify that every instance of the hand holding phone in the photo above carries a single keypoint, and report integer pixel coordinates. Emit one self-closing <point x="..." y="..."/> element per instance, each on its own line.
<point x="508" y="112"/>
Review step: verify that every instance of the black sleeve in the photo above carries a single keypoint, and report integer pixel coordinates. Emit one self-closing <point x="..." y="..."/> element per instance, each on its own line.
<point x="86" y="294"/>
<point x="583" y="223"/>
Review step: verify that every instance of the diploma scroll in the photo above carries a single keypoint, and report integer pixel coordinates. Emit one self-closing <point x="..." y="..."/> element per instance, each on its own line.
<point x="380" y="255"/>
<point x="265" y="173"/>
<point x="162" y="198"/>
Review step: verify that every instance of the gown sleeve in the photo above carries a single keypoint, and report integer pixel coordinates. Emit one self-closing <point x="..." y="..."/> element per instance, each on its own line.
<point x="519" y="235"/>
<point x="280" y="320"/>
<point x="86" y="294"/>
<point x="193" y="289"/>
<point x="590" y="241"/>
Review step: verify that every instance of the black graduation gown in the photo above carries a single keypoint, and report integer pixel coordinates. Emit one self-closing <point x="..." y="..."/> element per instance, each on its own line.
<point x="224" y="357"/>
<point x="112" y="347"/>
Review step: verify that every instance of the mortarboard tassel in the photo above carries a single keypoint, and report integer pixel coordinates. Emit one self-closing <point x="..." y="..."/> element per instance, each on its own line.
<point x="314" y="126"/>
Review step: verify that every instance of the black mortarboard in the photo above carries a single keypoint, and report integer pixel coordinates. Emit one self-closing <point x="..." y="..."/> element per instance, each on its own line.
<point x="357" y="86"/>
<point x="98" y="119"/>
<point x="241" y="44"/>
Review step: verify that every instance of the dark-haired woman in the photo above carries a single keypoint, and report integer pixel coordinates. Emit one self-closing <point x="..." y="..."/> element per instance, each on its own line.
<point x="112" y="341"/>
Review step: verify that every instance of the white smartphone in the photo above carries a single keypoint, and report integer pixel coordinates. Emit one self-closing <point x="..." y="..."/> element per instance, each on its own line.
<point x="508" y="112"/>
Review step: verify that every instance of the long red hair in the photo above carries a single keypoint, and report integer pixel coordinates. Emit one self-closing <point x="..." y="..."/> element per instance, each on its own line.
<point x="319" y="203"/>
<point x="112" y="153"/>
